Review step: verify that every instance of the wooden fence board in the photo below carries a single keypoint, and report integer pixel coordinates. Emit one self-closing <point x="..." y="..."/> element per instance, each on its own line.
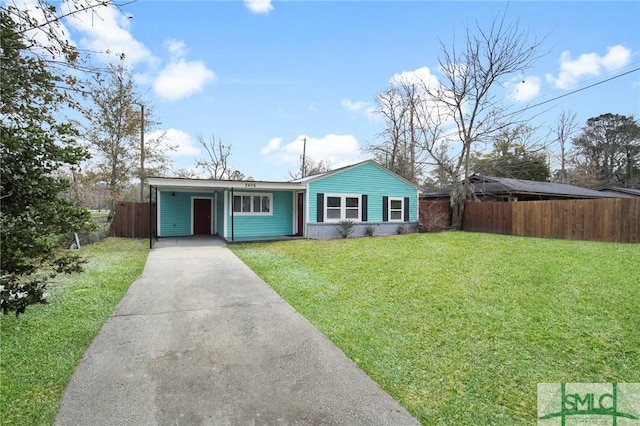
<point x="615" y="220"/>
<point x="131" y="220"/>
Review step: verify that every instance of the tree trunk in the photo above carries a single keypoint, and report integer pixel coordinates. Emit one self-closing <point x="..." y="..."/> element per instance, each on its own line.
<point x="457" y="204"/>
<point x="457" y="211"/>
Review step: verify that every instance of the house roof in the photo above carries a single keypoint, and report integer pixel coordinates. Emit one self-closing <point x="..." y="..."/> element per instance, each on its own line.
<point x="202" y="185"/>
<point x="491" y="185"/>
<point x="323" y="175"/>
<point x="618" y="191"/>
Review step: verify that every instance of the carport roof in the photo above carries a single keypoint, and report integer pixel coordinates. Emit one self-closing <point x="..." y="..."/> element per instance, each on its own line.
<point x="200" y="185"/>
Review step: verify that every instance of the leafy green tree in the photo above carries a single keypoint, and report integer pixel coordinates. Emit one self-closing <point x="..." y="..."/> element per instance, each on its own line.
<point x="35" y="144"/>
<point x="511" y="157"/>
<point x="115" y="120"/>
<point x="607" y="152"/>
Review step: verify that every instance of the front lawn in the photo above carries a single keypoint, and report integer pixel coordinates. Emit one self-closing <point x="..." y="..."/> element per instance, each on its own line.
<point x="40" y="349"/>
<point x="461" y="327"/>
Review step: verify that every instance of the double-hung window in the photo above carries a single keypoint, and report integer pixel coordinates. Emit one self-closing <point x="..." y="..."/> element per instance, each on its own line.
<point x="396" y="209"/>
<point x="343" y="207"/>
<point x="253" y="204"/>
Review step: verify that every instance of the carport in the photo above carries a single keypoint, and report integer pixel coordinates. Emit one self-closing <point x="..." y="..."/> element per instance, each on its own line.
<point x="232" y="210"/>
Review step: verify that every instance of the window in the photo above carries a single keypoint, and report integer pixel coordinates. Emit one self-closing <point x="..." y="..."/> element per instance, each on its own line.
<point x="252" y="204"/>
<point x="342" y="207"/>
<point x="396" y="209"/>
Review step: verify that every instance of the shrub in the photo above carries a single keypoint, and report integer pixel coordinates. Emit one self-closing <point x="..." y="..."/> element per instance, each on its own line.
<point x="435" y="216"/>
<point x="401" y="229"/>
<point x="369" y="230"/>
<point x="346" y="228"/>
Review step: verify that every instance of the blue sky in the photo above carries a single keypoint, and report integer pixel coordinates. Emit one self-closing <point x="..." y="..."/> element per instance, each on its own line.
<point x="262" y="75"/>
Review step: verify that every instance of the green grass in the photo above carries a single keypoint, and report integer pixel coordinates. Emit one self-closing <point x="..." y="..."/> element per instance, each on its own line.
<point x="460" y="327"/>
<point x="40" y="350"/>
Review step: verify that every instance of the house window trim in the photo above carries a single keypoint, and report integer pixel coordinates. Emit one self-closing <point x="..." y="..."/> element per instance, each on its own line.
<point x="252" y="194"/>
<point x="343" y="207"/>
<point x="389" y="209"/>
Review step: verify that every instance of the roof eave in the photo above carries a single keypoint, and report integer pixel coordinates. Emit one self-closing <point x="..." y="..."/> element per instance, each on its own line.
<point x="203" y="184"/>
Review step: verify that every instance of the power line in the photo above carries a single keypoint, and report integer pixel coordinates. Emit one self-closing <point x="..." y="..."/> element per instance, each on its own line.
<point x="573" y="92"/>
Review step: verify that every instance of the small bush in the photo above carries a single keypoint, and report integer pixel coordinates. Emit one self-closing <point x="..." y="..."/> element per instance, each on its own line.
<point x="401" y="229"/>
<point x="369" y="230"/>
<point x="346" y="228"/>
<point x="435" y="216"/>
<point x="16" y="295"/>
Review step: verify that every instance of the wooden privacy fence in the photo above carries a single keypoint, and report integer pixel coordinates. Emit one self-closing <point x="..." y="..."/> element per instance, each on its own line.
<point x="132" y="220"/>
<point x="615" y="220"/>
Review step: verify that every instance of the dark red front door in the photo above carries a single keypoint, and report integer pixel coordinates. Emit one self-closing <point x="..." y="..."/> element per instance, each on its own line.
<point x="300" y="229"/>
<point x="201" y="216"/>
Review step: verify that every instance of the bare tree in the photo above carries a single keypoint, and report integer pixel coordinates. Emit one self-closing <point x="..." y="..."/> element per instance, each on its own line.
<point x="401" y="108"/>
<point x="310" y="168"/>
<point x="216" y="164"/>
<point x="441" y="172"/>
<point x="564" y="128"/>
<point x="465" y="93"/>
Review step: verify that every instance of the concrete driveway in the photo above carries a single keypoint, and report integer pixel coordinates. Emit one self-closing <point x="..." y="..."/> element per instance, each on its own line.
<point x="199" y="339"/>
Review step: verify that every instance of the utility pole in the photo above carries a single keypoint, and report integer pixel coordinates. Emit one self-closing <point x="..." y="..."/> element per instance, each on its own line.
<point x="142" y="153"/>
<point x="304" y="152"/>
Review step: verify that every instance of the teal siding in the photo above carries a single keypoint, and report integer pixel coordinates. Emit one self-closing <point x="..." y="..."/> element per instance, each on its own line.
<point x="220" y="213"/>
<point x="365" y="179"/>
<point x="278" y="224"/>
<point x="175" y="212"/>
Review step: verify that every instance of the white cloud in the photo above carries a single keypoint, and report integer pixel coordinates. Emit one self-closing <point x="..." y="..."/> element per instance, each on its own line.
<point x="523" y="90"/>
<point x="338" y="150"/>
<point x="176" y="47"/>
<point x="617" y="57"/>
<point x="271" y="146"/>
<point x="362" y="107"/>
<point x="588" y="65"/>
<point x="181" y="78"/>
<point x="353" y="106"/>
<point x="106" y="29"/>
<point x="183" y="143"/>
<point x="420" y="76"/>
<point x="259" y="6"/>
<point x="425" y="83"/>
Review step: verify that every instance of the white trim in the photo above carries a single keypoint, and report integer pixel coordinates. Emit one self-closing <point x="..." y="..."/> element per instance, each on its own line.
<point x="390" y="199"/>
<point x="194" y="197"/>
<point x="254" y="194"/>
<point x="343" y="207"/>
<point x="169" y="184"/>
